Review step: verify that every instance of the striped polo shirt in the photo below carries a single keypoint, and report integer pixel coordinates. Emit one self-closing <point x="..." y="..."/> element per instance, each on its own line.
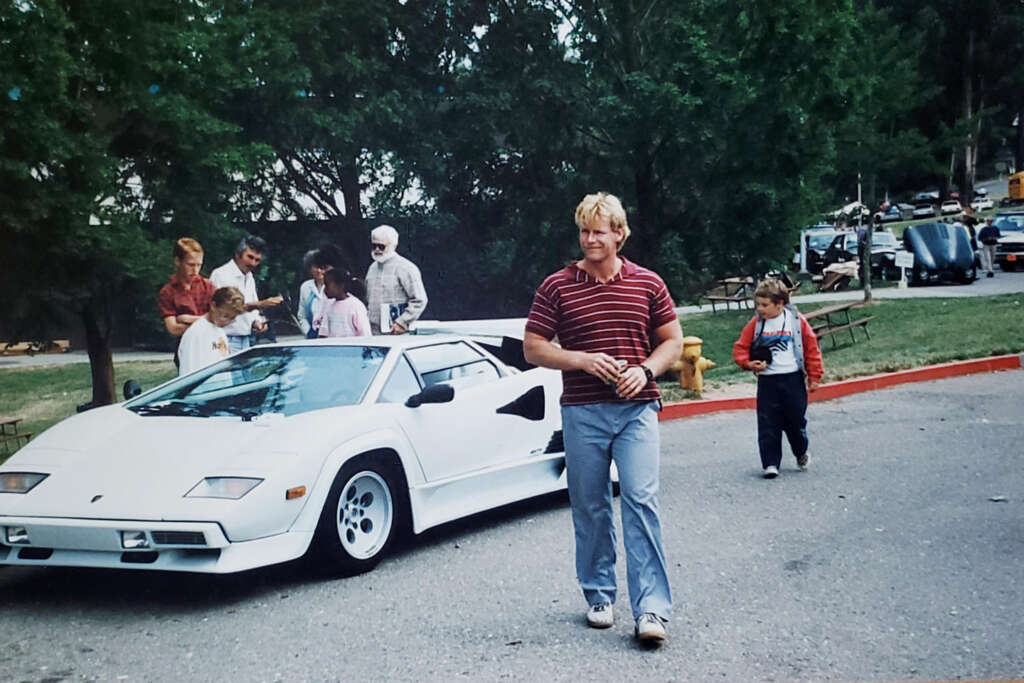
<point x="617" y="317"/>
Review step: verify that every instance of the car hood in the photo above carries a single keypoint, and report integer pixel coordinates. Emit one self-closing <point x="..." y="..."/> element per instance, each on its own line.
<point x="1012" y="238"/>
<point x="939" y="246"/>
<point x="111" y="463"/>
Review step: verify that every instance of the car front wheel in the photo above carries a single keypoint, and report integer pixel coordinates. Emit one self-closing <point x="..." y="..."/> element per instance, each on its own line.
<point x="361" y="517"/>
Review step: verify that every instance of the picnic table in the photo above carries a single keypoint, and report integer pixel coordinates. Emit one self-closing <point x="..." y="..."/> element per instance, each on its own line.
<point x="734" y="290"/>
<point x="827" y="321"/>
<point x="9" y="432"/>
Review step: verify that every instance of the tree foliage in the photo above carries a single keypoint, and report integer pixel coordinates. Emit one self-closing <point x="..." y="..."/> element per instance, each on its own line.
<point x="474" y="126"/>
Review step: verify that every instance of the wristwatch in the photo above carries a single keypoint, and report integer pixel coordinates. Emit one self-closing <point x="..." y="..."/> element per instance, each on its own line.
<point x="648" y="372"/>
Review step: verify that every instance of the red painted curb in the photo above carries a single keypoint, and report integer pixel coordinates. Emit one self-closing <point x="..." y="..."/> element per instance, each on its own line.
<point x="827" y="392"/>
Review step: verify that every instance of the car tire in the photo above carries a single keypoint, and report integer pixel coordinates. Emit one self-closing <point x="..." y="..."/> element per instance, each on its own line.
<point x="915" y="275"/>
<point x="969" y="275"/>
<point x="364" y="513"/>
<point x="1008" y="267"/>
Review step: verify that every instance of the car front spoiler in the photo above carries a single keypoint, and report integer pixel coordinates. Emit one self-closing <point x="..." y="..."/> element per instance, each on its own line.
<point x="171" y="546"/>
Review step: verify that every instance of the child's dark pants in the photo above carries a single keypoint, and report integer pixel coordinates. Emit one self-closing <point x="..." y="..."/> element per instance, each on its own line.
<point x="781" y="407"/>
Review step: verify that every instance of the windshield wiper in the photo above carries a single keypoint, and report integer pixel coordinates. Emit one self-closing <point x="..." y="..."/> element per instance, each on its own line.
<point x="172" y="407"/>
<point x="247" y="414"/>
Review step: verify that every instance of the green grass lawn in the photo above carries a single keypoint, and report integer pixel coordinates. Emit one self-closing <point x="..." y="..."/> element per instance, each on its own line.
<point x="906" y="333"/>
<point x="47" y="394"/>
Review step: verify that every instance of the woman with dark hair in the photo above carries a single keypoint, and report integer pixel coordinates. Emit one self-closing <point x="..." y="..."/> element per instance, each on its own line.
<point x="344" y="313"/>
<point x="311" y="295"/>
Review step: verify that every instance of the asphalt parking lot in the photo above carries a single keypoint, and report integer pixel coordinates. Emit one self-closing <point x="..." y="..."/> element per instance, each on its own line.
<point x="896" y="557"/>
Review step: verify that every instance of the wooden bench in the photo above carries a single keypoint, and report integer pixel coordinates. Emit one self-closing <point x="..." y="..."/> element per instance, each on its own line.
<point x="7" y="439"/>
<point x="9" y="432"/>
<point x="34" y="347"/>
<point x="740" y="300"/>
<point x="732" y="290"/>
<point x="829" y="330"/>
<point x="833" y="319"/>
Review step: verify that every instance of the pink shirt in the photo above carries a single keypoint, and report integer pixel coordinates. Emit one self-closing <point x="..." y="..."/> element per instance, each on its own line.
<point x="616" y="318"/>
<point x="344" y="318"/>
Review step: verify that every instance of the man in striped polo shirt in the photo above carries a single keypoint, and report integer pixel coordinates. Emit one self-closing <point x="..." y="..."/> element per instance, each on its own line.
<point x="604" y="311"/>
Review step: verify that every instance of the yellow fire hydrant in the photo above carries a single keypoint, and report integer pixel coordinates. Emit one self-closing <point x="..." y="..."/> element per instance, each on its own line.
<point x="692" y="365"/>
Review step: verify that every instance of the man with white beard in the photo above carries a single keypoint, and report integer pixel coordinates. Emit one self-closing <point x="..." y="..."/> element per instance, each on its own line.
<point x="394" y="287"/>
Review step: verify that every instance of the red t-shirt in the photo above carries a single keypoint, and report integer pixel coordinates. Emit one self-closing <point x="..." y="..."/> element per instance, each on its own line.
<point x="617" y="318"/>
<point x="174" y="299"/>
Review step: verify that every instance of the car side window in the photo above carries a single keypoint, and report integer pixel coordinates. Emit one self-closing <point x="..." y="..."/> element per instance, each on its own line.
<point x="463" y="375"/>
<point x="457" y="363"/>
<point x="400" y="385"/>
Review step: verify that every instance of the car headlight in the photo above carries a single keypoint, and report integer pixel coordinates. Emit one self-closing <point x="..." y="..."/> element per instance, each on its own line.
<point x="223" y="487"/>
<point x="20" y="482"/>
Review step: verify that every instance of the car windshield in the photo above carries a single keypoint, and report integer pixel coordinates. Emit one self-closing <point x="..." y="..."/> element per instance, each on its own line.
<point x="285" y="380"/>
<point x="883" y="239"/>
<point x="1011" y="223"/>
<point x="820" y="240"/>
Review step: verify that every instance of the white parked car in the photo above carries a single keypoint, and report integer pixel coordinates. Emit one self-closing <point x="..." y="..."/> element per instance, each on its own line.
<point x="982" y="204"/>
<point x="950" y="206"/>
<point x="333" y="447"/>
<point x="924" y="210"/>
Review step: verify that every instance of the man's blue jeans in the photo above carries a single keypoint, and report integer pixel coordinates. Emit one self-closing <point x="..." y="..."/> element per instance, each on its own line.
<point x="625" y="433"/>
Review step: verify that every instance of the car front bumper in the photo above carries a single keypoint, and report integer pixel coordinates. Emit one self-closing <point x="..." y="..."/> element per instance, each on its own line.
<point x="170" y="546"/>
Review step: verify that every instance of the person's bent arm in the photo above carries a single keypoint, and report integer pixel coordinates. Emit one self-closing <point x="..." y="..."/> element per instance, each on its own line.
<point x="174" y="328"/>
<point x="667" y="352"/>
<point x="269" y="302"/>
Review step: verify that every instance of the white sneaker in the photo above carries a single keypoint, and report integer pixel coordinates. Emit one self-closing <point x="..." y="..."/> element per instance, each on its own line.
<point x="801" y="461"/>
<point x="771" y="472"/>
<point x="650" y="629"/>
<point x="600" y="616"/>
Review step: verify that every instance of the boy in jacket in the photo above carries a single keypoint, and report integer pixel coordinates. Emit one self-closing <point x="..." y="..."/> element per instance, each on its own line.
<point x="780" y="347"/>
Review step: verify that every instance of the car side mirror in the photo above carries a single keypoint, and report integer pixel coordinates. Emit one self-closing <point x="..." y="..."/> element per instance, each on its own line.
<point x="131" y="389"/>
<point x="437" y="393"/>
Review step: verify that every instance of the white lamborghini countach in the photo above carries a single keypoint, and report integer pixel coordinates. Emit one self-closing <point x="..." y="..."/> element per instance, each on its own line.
<point x="329" y="447"/>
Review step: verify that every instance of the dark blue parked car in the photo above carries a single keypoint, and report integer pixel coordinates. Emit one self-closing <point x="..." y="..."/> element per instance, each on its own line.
<point x="942" y="252"/>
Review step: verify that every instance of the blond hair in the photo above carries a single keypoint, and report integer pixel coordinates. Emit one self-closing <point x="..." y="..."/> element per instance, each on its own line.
<point x="774" y="289"/>
<point x="185" y="246"/>
<point x="229" y="299"/>
<point x="603" y="205"/>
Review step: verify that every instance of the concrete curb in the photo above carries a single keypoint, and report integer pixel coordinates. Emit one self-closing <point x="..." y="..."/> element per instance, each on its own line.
<point x="827" y="392"/>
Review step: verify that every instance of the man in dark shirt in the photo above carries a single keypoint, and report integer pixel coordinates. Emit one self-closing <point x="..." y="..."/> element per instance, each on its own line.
<point x="186" y="297"/>
<point x="603" y="310"/>
<point x="989" y="238"/>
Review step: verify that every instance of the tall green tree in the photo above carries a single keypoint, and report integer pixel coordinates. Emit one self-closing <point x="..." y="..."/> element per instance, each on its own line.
<point x="119" y="140"/>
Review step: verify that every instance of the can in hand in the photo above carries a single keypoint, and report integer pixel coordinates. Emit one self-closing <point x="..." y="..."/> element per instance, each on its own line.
<point x="622" y="366"/>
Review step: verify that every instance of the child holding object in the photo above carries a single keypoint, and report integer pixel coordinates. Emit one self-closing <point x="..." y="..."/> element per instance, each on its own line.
<point x="343" y="314"/>
<point x="204" y="341"/>
<point x="780" y="347"/>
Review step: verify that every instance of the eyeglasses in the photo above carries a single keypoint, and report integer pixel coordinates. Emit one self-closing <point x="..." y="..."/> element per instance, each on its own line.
<point x="376" y="245"/>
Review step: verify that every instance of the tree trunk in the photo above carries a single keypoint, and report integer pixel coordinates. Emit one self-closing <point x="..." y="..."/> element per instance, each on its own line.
<point x="1018" y="149"/>
<point x="971" y="144"/>
<point x="101" y="360"/>
<point x="865" y="260"/>
<point x="646" y="214"/>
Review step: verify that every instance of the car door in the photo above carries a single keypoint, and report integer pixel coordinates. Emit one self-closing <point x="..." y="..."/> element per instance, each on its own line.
<point x="495" y="416"/>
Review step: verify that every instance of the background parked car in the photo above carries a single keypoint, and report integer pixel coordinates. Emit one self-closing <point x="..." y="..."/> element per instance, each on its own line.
<point x="1010" y="250"/>
<point x="895" y="212"/>
<point x="884" y="246"/>
<point x="950" y="206"/>
<point x="817" y="239"/>
<point x="982" y="204"/>
<point x="924" y="210"/>
<point x="842" y="248"/>
<point x="942" y="252"/>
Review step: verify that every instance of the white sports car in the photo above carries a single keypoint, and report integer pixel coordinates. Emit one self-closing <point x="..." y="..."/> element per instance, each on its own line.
<point x="333" y="447"/>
